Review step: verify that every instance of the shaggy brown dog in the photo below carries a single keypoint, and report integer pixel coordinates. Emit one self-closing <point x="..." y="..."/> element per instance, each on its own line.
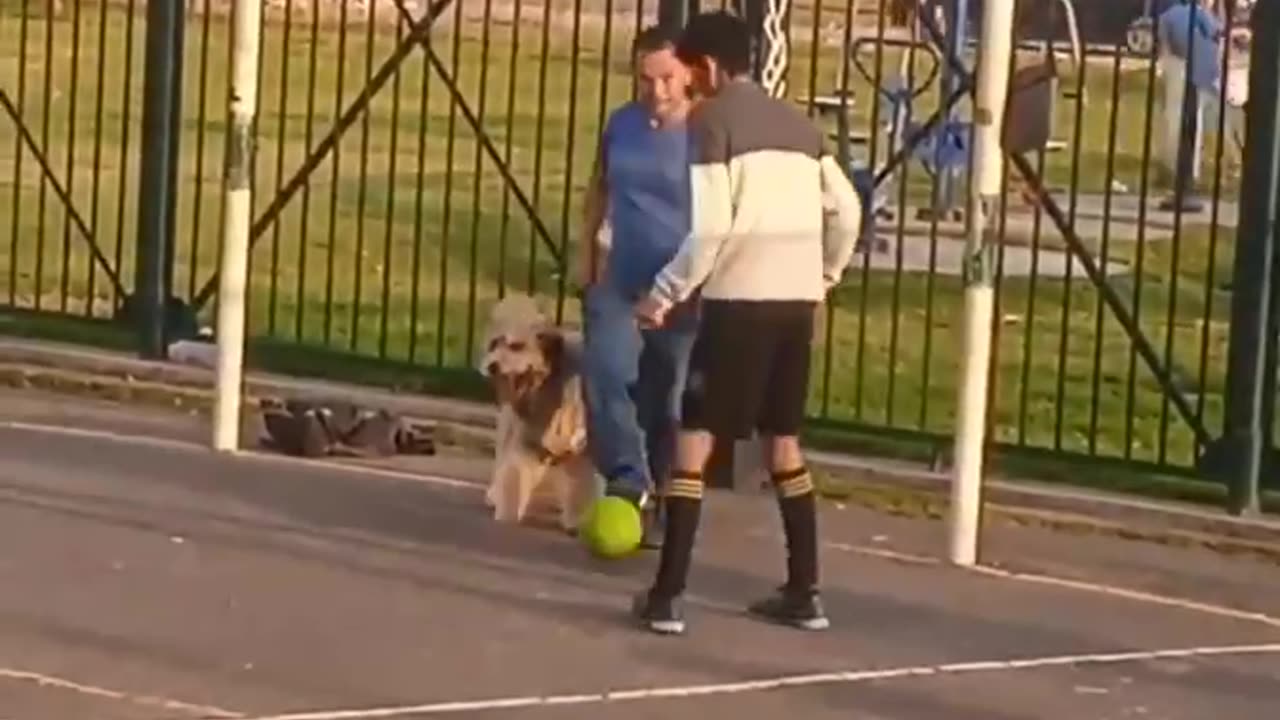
<point x="533" y="367"/>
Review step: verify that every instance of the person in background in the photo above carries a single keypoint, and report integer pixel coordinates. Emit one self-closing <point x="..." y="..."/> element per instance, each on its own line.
<point x="638" y="198"/>
<point x="774" y="225"/>
<point x="1188" y="36"/>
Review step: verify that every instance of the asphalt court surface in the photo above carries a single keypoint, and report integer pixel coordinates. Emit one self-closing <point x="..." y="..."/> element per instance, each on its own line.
<point x="146" y="580"/>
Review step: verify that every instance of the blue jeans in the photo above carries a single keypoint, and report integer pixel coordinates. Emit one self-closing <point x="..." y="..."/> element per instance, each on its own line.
<point x="633" y="382"/>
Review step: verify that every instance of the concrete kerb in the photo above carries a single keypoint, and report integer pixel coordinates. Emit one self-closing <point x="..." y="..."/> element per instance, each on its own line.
<point x="32" y="359"/>
<point x="886" y="486"/>
<point x="1129" y="513"/>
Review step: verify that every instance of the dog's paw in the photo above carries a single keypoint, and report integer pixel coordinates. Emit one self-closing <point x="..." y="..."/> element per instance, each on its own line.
<point x="490" y="498"/>
<point x="509" y="514"/>
<point x="568" y="524"/>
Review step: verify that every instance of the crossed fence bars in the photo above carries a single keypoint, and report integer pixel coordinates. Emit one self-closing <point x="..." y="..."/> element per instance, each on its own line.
<point x="418" y="36"/>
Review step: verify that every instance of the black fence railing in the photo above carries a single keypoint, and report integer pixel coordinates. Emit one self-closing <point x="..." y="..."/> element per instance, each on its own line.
<point x="460" y="179"/>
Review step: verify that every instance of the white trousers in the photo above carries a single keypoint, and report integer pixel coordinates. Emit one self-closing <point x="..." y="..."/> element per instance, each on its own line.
<point x="1207" y="109"/>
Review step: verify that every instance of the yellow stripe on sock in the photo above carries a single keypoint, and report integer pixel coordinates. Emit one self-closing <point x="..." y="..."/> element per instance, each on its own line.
<point x="797" y="486"/>
<point x="682" y="488"/>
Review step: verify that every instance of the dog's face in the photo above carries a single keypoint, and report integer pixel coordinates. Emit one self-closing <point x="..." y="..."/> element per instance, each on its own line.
<point x="521" y="350"/>
<point x="517" y="364"/>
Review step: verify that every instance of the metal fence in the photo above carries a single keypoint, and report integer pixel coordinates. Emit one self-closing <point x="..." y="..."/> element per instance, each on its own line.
<point x="460" y="180"/>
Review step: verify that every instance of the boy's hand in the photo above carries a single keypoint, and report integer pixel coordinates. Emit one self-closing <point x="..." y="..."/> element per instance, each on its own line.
<point x="590" y="267"/>
<point x="651" y="312"/>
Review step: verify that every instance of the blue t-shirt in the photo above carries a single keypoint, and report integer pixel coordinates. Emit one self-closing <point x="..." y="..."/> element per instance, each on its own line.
<point x="647" y="171"/>
<point x="1190" y="33"/>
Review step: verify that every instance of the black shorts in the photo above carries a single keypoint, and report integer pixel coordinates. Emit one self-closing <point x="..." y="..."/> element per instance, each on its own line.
<point x="749" y="370"/>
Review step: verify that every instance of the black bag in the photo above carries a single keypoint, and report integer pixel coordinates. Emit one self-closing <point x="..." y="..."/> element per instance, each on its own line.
<point x="314" y="429"/>
<point x="1028" y="116"/>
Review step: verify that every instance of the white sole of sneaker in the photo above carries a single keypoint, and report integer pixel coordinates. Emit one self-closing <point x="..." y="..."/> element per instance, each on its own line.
<point x="814" y="624"/>
<point x="666" y="627"/>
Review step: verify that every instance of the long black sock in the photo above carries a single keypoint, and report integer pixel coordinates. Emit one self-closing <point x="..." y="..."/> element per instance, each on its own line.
<point x="800" y="523"/>
<point x="683" y="507"/>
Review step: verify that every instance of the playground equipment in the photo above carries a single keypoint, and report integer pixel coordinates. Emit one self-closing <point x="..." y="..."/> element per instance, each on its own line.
<point x="771" y="52"/>
<point x="941" y="142"/>
<point x="1034" y="90"/>
<point x="954" y="134"/>
<point x="942" y="149"/>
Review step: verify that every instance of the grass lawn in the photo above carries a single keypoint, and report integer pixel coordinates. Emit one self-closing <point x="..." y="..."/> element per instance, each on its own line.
<point x="402" y="237"/>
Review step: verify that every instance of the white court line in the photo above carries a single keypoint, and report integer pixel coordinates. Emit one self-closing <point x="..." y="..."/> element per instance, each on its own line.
<point x="1068" y="584"/>
<point x="101" y="435"/>
<point x="882" y="553"/>
<point x="1128" y="594"/>
<point x="253" y="455"/>
<point x="1115" y="591"/>
<point x="151" y="701"/>
<point x="426" y="478"/>
<point x="776" y="683"/>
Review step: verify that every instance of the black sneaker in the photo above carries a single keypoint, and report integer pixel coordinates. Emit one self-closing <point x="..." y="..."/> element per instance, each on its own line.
<point x="663" y="616"/>
<point x="801" y="610"/>
<point x="647" y="504"/>
<point x="640" y="498"/>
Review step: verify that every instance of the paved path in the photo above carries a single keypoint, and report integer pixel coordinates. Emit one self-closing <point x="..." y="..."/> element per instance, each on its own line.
<point x="922" y="249"/>
<point x="146" y="578"/>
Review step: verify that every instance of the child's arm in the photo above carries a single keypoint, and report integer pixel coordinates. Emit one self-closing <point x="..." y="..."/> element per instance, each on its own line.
<point x="842" y="223"/>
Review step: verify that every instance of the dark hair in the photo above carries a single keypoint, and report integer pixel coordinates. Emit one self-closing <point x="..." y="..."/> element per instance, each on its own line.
<point x="721" y="36"/>
<point x="653" y="39"/>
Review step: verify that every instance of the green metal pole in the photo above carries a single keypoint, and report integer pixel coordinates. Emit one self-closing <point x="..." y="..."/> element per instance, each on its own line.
<point x="157" y="186"/>
<point x="675" y="14"/>
<point x="1250" y="357"/>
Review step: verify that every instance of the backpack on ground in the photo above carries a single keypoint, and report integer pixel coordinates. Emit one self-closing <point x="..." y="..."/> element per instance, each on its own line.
<point x="320" y="429"/>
